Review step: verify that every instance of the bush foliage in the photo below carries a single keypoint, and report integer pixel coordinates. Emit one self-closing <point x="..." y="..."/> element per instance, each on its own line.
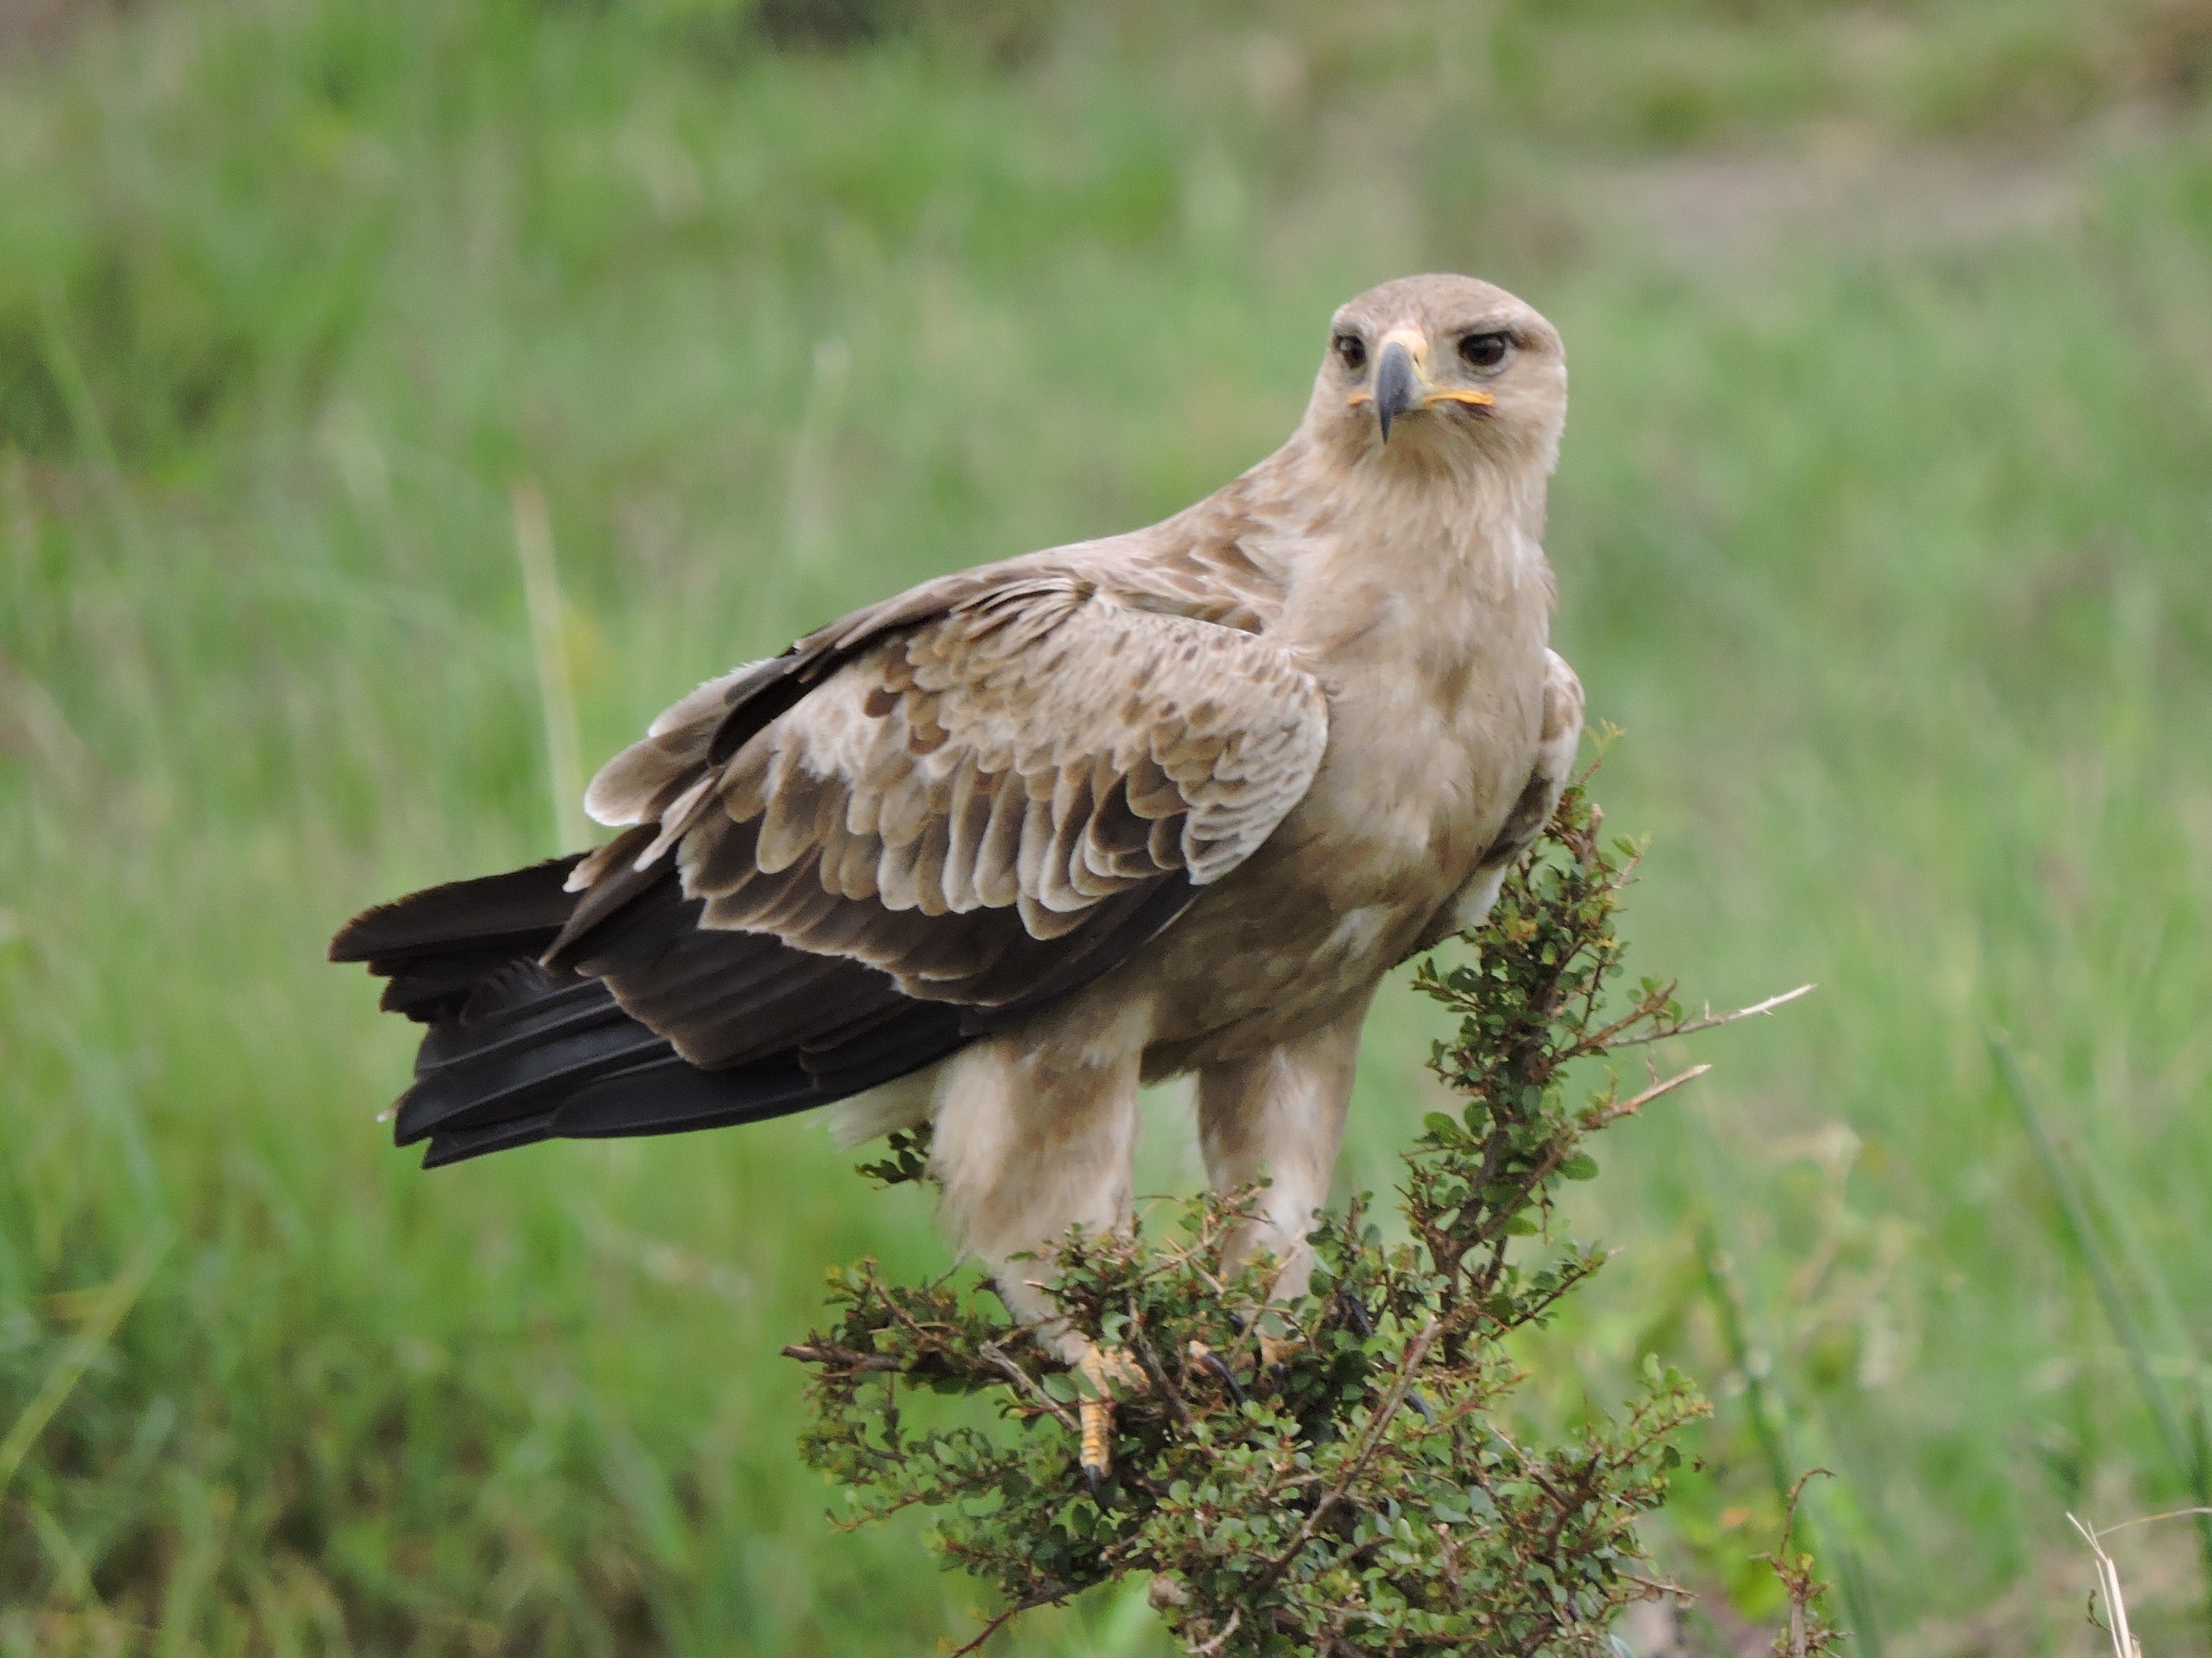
<point x="1337" y="1472"/>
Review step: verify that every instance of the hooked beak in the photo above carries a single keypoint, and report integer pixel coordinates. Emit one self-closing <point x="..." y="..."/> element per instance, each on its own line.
<point x="1397" y="386"/>
<point x="1401" y="382"/>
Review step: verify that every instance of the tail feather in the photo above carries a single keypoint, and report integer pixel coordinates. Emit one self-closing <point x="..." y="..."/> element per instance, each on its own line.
<point x="437" y="945"/>
<point x="668" y="1096"/>
<point x="463" y="1143"/>
<point x="507" y="1079"/>
<point x="517" y="1051"/>
<point x="553" y="1012"/>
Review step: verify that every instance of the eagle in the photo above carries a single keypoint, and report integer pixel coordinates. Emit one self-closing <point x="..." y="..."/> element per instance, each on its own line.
<point x="996" y="853"/>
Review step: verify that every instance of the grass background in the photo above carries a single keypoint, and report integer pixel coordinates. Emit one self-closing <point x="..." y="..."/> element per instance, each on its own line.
<point x="1882" y="528"/>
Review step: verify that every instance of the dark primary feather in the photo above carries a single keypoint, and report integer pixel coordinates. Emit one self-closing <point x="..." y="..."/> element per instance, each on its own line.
<point x="517" y="1052"/>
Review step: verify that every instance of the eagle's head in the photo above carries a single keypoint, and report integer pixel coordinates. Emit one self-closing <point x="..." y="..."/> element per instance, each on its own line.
<point x="1441" y="372"/>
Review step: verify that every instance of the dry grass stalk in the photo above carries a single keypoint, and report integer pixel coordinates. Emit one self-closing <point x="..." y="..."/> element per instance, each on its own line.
<point x="2124" y="1644"/>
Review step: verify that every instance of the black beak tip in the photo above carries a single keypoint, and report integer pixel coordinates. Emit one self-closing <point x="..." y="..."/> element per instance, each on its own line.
<point x="1396" y="390"/>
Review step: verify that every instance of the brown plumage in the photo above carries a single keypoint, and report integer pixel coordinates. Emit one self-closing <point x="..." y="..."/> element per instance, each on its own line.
<point x="997" y="850"/>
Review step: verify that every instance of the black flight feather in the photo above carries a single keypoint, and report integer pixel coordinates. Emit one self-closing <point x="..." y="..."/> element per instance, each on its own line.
<point x="529" y="1040"/>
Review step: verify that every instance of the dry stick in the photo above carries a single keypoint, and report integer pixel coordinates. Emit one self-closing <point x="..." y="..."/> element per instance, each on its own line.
<point x="2108" y="1572"/>
<point x="1713" y="1020"/>
<point x="998" y="1623"/>
<point x="1206" y="1650"/>
<point x="1614" y="1114"/>
<point x="1796" y="1577"/>
<point x="1662" y="1588"/>
<point x="997" y="1356"/>
<point x="2152" y="1519"/>
<point x="1157" y="1375"/>
<point x="1610" y="1037"/>
<point x="844" y="1356"/>
<point x="2108" y="1580"/>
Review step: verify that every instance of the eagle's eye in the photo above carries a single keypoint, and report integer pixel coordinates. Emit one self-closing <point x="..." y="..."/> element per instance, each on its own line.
<point x="1486" y="350"/>
<point x="1353" y="350"/>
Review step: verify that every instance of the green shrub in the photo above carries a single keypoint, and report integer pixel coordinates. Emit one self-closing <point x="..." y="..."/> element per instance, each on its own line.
<point x="1337" y="1472"/>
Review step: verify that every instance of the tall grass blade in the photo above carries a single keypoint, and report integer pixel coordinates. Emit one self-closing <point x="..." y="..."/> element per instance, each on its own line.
<point x="107" y="1311"/>
<point x="2184" y="1448"/>
<point x="1768" y="1429"/>
<point x="65" y="369"/>
<point x="1728" y="1307"/>
<point x="810" y="508"/>
<point x="96" y="444"/>
<point x="549" y="647"/>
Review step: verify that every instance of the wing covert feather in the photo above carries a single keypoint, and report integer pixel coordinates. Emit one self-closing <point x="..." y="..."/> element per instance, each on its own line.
<point x="971" y="802"/>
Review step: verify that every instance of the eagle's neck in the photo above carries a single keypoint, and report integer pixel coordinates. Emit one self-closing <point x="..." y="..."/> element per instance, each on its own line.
<point x="1321" y="552"/>
<point x="1442" y="541"/>
<point x="1422" y="602"/>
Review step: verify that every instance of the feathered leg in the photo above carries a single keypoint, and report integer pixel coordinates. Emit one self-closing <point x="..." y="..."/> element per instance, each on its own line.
<point x="1034" y="1137"/>
<point x="1281" y="1114"/>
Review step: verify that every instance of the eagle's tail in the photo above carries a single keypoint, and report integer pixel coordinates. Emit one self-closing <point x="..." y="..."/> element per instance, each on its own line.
<point x="516" y="1052"/>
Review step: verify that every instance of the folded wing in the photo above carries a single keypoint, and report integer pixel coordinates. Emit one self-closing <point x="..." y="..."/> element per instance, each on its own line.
<point x="839" y="865"/>
<point x="977" y="807"/>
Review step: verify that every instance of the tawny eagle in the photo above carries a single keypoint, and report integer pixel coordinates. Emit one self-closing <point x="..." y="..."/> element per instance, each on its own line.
<point x="998" y="851"/>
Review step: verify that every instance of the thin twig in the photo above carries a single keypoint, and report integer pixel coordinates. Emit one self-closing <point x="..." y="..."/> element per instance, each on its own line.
<point x="2151" y="1518"/>
<point x="1629" y="1108"/>
<point x="1207" y="1648"/>
<point x="996" y="1624"/>
<point x="1156" y="1374"/>
<point x="1711" y="1021"/>
<point x="844" y="1357"/>
<point x="997" y="1356"/>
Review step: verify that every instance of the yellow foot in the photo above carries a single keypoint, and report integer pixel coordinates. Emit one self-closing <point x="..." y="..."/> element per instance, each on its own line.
<point x="1101" y="1368"/>
<point x="1275" y="1350"/>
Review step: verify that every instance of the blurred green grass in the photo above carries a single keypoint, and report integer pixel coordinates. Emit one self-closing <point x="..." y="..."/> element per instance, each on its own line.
<point x="1882" y="528"/>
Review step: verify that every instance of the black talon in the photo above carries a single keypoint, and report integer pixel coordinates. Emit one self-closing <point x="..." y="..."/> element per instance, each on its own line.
<point x="1421" y="1405"/>
<point x="1097" y="1480"/>
<point x="1212" y="1361"/>
<point x="1355" y="1310"/>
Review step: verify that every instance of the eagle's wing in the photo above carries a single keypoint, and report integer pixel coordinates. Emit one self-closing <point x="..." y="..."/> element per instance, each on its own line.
<point x="954" y="819"/>
<point x="837" y="866"/>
